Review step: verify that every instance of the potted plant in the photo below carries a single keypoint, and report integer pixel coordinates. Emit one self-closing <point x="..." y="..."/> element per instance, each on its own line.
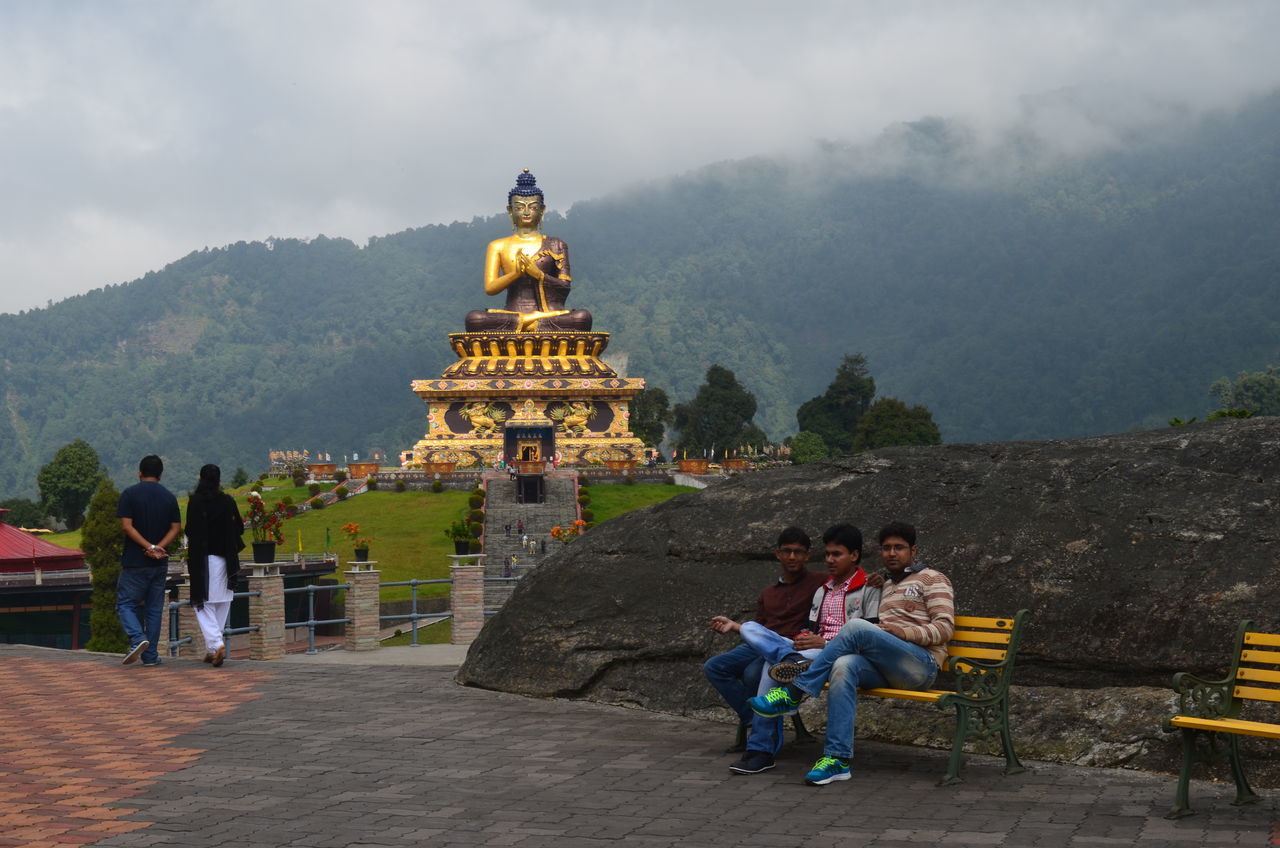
<point x="460" y="535"/>
<point x="267" y="526"/>
<point x="360" y="543"/>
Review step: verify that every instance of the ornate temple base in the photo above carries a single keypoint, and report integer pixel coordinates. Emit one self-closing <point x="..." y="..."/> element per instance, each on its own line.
<point x="531" y="397"/>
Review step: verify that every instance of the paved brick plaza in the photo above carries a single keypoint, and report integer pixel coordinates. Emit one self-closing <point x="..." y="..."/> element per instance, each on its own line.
<point x="314" y="754"/>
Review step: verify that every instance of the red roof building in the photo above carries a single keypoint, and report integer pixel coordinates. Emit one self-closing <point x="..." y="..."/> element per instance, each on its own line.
<point x="21" y="551"/>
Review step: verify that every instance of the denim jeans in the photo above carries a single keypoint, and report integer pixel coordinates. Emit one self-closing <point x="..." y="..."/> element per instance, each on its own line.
<point x="862" y="655"/>
<point x="766" y="733"/>
<point x="142" y="586"/>
<point x="735" y="675"/>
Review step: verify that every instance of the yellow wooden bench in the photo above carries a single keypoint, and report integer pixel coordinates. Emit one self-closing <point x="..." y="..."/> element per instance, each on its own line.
<point x="980" y="656"/>
<point x="1209" y="712"/>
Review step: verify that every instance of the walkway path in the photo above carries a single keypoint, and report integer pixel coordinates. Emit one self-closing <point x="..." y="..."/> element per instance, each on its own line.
<point x="316" y="754"/>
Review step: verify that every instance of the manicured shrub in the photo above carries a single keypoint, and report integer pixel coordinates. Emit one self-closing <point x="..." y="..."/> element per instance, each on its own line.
<point x="436" y="486"/>
<point x="629" y="479"/>
<point x="400" y="485"/>
<point x="477" y="530"/>
<point x="256" y="487"/>
<point x="287" y="501"/>
<point x="584" y="499"/>
<point x="316" y="503"/>
<point x="475" y="501"/>
<point x="474" y="546"/>
<point x="478" y="491"/>
<point x="588" y="516"/>
<point x="341" y="492"/>
<point x="314" y="489"/>
<point x="299" y="478"/>
<point x="371" y="484"/>
<point x="340" y="476"/>
<point x="476" y="515"/>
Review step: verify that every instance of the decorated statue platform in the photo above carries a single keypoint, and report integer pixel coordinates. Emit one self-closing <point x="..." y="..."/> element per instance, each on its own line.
<point x="529" y="385"/>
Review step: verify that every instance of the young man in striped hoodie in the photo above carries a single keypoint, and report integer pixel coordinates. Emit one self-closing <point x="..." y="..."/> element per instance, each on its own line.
<point x="902" y="651"/>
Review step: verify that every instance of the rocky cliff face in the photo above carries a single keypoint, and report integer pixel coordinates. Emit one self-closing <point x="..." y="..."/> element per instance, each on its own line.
<point x="1136" y="554"/>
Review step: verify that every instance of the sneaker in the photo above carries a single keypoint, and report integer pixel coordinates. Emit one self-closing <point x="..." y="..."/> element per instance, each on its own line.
<point x="135" y="652"/>
<point x="752" y="762"/>
<point x="153" y="663"/>
<point x="778" y="701"/>
<point x="788" y="670"/>
<point x="826" y="770"/>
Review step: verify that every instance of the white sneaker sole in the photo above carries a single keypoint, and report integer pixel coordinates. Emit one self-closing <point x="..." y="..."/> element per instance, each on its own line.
<point x="832" y="779"/>
<point x="132" y="657"/>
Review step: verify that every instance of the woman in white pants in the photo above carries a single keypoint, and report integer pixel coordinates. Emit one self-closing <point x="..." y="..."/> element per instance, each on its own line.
<point x="214" y="530"/>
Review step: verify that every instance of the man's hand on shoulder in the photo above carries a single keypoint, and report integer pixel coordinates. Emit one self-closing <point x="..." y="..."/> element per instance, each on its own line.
<point x="875" y="579"/>
<point x="806" y="641"/>
<point x="724" y="624"/>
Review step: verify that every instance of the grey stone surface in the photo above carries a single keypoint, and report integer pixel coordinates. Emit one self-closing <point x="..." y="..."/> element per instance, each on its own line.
<point x="343" y="756"/>
<point x="1136" y="555"/>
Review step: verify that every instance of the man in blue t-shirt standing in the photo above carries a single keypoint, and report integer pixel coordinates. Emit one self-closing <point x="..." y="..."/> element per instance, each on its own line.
<point x="148" y="513"/>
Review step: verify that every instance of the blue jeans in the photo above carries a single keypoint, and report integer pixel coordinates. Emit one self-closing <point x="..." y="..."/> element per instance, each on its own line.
<point x="735" y="675"/>
<point x="142" y="586"/>
<point x="862" y="655"/>
<point x="766" y="733"/>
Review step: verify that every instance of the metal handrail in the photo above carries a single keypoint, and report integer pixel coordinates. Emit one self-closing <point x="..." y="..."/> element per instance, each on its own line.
<point x="413" y="616"/>
<point x="174" y="628"/>
<point x="311" y="623"/>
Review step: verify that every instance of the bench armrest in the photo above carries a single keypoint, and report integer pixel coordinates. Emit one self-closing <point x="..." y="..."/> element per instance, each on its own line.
<point x="978" y="681"/>
<point x="1203" y="698"/>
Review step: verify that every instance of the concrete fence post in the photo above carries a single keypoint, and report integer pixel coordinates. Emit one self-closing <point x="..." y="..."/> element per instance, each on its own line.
<point x="363" y="609"/>
<point x="467" y="598"/>
<point x="266" y="612"/>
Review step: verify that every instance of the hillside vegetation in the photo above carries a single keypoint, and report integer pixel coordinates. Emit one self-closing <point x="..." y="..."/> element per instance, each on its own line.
<point x="1015" y="294"/>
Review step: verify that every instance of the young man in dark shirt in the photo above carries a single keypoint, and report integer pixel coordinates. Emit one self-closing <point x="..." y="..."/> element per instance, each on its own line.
<point x="783" y="607"/>
<point x="149" y="516"/>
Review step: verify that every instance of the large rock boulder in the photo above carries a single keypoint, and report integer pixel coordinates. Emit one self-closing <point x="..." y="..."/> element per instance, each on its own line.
<point x="1136" y="554"/>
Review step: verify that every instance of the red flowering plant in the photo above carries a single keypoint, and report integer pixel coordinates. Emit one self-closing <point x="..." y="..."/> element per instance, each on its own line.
<point x="565" y="535"/>
<point x="352" y="529"/>
<point x="267" y="524"/>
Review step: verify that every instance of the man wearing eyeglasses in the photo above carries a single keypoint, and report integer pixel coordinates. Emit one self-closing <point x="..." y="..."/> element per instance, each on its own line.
<point x="783" y="608"/>
<point x="844" y="595"/>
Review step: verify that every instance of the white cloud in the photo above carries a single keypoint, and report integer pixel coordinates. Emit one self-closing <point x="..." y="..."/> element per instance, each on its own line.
<point x="132" y="133"/>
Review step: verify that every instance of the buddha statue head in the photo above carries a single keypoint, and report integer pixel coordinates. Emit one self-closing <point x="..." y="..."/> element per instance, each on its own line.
<point x="525" y="203"/>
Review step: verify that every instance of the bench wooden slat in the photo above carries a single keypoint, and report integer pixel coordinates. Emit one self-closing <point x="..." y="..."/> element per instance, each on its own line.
<point x="984" y="623"/>
<point x="1000" y="638"/>
<point x="928" y="696"/>
<point x="1228" y="725"/>
<point x="1271" y="640"/>
<point x="975" y="653"/>
<point x="1265" y="675"/>
<point x="1257" y="693"/>
<point x="1261" y="657"/>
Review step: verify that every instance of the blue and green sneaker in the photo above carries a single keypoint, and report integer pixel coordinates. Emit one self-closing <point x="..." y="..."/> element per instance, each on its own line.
<point x="778" y="701"/>
<point x="826" y="770"/>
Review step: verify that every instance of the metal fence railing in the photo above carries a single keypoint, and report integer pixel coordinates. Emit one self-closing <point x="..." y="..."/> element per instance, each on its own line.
<point x="413" y="616"/>
<point x="311" y="622"/>
<point x="176" y="642"/>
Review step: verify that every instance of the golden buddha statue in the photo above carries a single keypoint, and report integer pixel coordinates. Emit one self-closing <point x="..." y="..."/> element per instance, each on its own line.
<point x="531" y="268"/>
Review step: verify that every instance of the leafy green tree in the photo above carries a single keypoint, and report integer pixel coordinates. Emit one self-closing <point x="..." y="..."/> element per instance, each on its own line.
<point x="834" y="414"/>
<point x="650" y="414"/>
<point x="22" y="513"/>
<point x="808" y="447"/>
<point x="69" y="481"/>
<point x="718" y="419"/>
<point x="240" y="478"/>
<point x="1258" y="392"/>
<point x="889" y="422"/>
<point x="102" y="541"/>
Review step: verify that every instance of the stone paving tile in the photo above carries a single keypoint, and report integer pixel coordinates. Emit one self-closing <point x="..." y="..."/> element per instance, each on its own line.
<point x="335" y="756"/>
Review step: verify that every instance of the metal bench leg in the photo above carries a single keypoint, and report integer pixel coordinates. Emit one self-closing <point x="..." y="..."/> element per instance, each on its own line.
<point x="1011" y="763"/>
<point x="957" y="747"/>
<point x="803" y="736"/>
<point x="1244" y="795"/>
<point x="1181" y="803"/>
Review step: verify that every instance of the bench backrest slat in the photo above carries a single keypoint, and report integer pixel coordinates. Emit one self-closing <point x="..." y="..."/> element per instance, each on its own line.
<point x="1263" y="675"/>
<point x="1258" y="694"/>
<point x="1269" y="640"/>
<point x="998" y="638"/>
<point x="984" y="623"/>
<point x="954" y="651"/>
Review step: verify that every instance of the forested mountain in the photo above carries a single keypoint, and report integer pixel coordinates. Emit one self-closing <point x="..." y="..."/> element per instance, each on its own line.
<point x="1016" y="293"/>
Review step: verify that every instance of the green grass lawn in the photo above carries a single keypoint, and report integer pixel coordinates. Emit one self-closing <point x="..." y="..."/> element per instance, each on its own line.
<point x="612" y="500"/>
<point x="433" y="634"/>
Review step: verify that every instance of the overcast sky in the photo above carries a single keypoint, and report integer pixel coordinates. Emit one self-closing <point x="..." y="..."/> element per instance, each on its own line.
<point x="132" y="133"/>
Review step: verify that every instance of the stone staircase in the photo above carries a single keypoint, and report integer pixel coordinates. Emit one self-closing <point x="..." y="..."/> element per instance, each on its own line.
<point x="501" y="509"/>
